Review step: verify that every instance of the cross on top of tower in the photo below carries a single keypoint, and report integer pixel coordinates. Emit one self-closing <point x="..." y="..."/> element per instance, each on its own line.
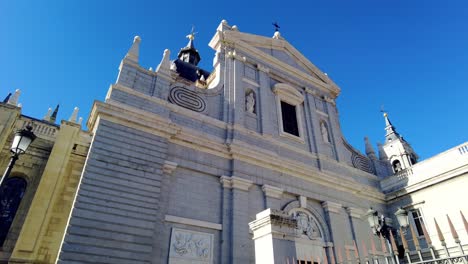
<point x="277" y="27"/>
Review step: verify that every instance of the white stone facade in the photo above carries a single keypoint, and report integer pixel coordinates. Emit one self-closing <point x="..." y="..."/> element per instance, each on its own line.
<point x="178" y="169"/>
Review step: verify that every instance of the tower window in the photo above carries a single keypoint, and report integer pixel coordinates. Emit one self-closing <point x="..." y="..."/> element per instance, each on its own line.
<point x="289" y="115"/>
<point x="396" y="166"/>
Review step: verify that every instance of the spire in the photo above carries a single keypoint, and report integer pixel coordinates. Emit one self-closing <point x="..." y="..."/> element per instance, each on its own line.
<point x="7" y="98"/>
<point x="53" y="117"/>
<point x="369" y="149"/>
<point x="391" y="131"/>
<point x="13" y="100"/>
<point x="188" y="53"/>
<point x="134" y="51"/>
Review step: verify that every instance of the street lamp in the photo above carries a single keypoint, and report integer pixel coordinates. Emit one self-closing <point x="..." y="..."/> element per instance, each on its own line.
<point x="23" y="138"/>
<point x="377" y="223"/>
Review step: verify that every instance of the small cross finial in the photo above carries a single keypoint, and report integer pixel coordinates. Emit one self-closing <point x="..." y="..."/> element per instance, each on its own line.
<point x="191" y="36"/>
<point x="277" y="27"/>
<point x="382" y="110"/>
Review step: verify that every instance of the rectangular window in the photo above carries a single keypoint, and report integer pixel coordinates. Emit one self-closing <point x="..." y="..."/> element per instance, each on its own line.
<point x="418" y="221"/>
<point x="288" y="113"/>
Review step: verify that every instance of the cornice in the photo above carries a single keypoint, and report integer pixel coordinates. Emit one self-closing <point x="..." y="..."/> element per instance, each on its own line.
<point x="332" y="207"/>
<point x="272" y="191"/>
<point x="241" y="183"/>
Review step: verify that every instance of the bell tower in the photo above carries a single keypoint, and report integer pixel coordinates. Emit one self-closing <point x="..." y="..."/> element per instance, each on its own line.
<point x="396" y="150"/>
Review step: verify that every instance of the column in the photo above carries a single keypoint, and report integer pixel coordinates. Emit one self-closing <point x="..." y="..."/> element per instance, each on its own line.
<point x="273" y="196"/>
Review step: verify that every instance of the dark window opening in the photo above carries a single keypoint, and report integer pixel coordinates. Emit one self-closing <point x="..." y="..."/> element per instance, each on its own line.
<point x="418" y="221"/>
<point x="396" y="166"/>
<point x="11" y="193"/>
<point x="288" y="113"/>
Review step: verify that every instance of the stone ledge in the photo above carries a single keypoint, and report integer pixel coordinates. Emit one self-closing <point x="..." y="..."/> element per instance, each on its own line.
<point x="192" y="222"/>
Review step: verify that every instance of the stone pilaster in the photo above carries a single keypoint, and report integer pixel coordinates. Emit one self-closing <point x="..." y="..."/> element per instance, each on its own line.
<point x="338" y="222"/>
<point x="273" y="196"/>
<point x="39" y="226"/>
<point x="226" y="185"/>
<point x="359" y="228"/>
<point x="265" y="109"/>
<point x="242" y="243"/>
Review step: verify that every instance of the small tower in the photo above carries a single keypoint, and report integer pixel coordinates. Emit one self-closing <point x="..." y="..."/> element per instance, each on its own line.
<point x="188" y="53"/>
<point x="396" y="150"/>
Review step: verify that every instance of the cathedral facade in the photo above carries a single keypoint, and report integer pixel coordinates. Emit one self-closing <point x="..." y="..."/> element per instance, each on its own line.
<point x="243" y="164"/>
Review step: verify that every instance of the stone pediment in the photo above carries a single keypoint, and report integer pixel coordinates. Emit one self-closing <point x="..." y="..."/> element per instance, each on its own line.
<point x="275" y="51"/>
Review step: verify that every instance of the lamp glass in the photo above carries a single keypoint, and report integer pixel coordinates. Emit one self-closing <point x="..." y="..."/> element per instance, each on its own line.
<point x="402" y="217"/>
<point x="372" y="217"/>
<point x="22" y="140"/>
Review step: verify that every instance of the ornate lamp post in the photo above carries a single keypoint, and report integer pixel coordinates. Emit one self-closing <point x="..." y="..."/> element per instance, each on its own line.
<point x="23" y="138"/>
<point x="378" y="225"/>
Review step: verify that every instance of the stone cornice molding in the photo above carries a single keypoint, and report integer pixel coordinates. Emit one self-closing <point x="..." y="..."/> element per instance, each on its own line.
<point x="169" y="167"/>
<point x="288" y="93"/>
<point x="263" y="68"/>
<point x="355" y="212"/>
<point x="192" y="222"/>
<point x="273" y="192"/>
<point x="226" y="182"/>
<point x="332" y="207"/>
<point x="241" y="183"/>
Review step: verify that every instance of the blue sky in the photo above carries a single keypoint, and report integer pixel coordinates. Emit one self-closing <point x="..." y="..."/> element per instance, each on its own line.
<point x="410" y="56"/>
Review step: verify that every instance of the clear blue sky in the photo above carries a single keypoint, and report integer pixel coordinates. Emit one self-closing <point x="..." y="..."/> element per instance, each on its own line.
<point x="411" y="56"/>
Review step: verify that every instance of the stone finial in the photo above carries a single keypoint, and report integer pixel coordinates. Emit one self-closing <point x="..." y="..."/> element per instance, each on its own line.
<point x="369" y="149"/>
<point x="382" y="154"/>
<point x="13" y="100"/>
<point x="134" y="51"/>
<point x="74" y="115"/>
<point x="80" y="120"/>
<point x="48" y="114"/>
<point x="20" y="105"/>
<point x="165" y="64"/>
<point x="277" y="35"/>
<point x="223" y="26"/>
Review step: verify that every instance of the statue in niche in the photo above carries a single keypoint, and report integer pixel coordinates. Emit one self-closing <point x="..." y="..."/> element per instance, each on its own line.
<point x="306" y="225"/>
<point x="250" y="103"/>
<point x="324" y="130"/>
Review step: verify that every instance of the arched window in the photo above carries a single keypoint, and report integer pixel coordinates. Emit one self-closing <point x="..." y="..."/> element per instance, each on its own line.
<point x="11" y="193"/>
<point x="396" y="166"/>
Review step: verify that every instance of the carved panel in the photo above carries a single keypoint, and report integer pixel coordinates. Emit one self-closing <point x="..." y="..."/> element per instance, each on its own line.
<point x="190" y="247"/>
<point x="187" y="99"/>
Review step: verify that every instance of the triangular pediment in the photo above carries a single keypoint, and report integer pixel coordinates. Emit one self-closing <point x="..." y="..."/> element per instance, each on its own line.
<point x="278" y="51"/>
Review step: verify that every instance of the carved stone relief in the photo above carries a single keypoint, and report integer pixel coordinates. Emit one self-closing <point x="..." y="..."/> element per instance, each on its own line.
<point x="306" y="225"/>
<point x="187" y="99"/>
<point x="190" y="247"/>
